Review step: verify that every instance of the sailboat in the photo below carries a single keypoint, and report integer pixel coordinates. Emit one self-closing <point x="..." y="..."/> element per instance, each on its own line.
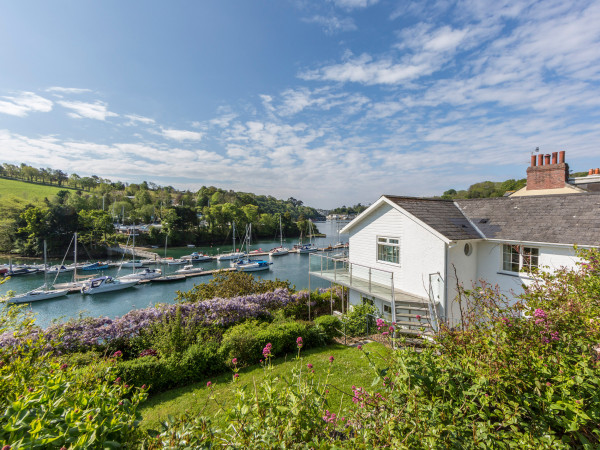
<point x="78" y="281"/>
<point x="145" y="274"/>
<point x="233" y="254"/>
<point x="41" y="293"/>
<point x="310" y="247"/>
<point x="247" y="264"/>
<point x="281" y="250"/>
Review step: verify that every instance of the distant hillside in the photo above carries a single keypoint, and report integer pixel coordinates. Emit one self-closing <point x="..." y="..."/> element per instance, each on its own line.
<point x="25" y="190"/>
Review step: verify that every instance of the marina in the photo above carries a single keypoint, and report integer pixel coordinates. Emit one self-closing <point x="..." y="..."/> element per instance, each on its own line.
<point x="292" y="267"/>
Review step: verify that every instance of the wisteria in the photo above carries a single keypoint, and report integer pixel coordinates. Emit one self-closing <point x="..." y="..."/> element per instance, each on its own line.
<point x="90" y="332"/>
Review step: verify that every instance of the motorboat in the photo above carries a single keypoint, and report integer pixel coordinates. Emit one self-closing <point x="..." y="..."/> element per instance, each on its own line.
<point x="195" y="256"/>
<point x="41" y="293"/>
<point x="95" y="266"/>
<point x="106" y="284"/>
<point x="146" y="274"/>
<point x="252" y="265"/>
<point x="278" y="251"/>
<point x="230" y="256"/>
<point x="174" y="262"/>
<point x="133" y="263"/>
<point x="190" y="269"/>
<point x="60" y="269"/>
<point x="307" y="248"/>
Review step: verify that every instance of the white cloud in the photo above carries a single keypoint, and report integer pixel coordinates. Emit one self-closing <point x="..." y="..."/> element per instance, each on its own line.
<point x="135" y="119"/>
<point x="64" y="90"/>
<point x="98" y="110"/>
<point x="333" y="24"/>
<point x="181" y="135"/>
<point x="22" y="104"/>
<point x="354" y="4"/>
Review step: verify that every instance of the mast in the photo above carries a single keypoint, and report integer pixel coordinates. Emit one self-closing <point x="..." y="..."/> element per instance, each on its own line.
<point x="45" y="266"/>
<point x="233" y="251"/>
<point x="75" y="259"/>
<point x="280" y="233"/>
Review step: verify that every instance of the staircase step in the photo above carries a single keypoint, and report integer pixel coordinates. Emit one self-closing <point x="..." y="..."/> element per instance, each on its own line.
<point x="424" y="317"/>
<point x="422" y="324"/>
<point x="411" y="308"/>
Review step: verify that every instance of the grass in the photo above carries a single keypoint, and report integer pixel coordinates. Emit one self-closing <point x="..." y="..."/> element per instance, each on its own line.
<point x="27" y="191"/>
<point x="350" y="367"/>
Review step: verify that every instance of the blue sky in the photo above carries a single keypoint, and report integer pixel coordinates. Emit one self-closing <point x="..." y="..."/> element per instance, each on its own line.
<point x="332" y="102"/>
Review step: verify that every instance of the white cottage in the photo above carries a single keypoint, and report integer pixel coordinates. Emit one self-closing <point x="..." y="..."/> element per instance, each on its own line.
<point x="407" y="254"/>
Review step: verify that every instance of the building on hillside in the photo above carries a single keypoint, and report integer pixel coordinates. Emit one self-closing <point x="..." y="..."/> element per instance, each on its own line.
<point x="406" y="254"/>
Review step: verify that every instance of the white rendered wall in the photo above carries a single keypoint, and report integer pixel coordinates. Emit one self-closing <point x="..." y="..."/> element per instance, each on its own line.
<point x="421" y="251"/>
<point x="462" y="269"/>
<point x="489" y="265"/>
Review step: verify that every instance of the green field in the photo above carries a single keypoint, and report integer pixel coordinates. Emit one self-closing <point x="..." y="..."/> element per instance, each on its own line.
<point x="26" y="191"/>
<point x="350" y="367"/>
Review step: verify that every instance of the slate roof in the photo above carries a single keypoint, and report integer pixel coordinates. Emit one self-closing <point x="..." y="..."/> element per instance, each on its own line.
<point x="560" y="219"/>
<point x="441" y="215"/>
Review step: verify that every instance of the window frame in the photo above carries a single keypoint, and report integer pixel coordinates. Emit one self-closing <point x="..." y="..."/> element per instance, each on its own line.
<point x="391" y="242"/>
<point x="525" y="259"/>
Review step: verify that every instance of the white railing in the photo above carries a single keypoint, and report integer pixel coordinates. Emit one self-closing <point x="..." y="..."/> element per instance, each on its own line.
<point x="368" y="280"/>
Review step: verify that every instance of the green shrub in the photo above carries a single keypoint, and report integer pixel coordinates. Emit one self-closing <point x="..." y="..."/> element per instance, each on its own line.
<point x="247" y="340"/>
<point x="330" y="325"/>
<point x="194" y="364"/>
<point x="361" y="321"/>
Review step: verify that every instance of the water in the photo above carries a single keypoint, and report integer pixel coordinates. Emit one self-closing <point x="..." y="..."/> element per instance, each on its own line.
<point x="292" y="267"/>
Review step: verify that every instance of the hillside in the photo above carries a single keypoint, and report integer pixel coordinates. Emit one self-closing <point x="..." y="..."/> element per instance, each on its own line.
<point x="25" y="190"/>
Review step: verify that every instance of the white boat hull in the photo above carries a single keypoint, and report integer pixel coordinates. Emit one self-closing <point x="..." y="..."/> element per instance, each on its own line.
<point x="114" y="285"/>
<point x="230" y="256"/>
<point x="37" y="295"/>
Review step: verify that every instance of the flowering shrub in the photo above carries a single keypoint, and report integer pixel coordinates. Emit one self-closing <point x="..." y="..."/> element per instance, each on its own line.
<point x="49" y="403"/>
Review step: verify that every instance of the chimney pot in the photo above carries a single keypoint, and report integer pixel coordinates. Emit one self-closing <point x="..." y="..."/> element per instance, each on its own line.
<point x="554" y="157"/>
<point x="591" y="172"/>
<point x="540" y="160"/>
<point x="597" y="171"/>
<point x="547" y="160"/>
<point x="532" y="160"/>
<point x="561" y="157"/>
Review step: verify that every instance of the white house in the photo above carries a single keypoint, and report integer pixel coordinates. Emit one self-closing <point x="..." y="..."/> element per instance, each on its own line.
<point x="407" y="254"/>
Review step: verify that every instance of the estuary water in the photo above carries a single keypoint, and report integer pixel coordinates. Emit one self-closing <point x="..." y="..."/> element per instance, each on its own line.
<point x="292" y="267"/>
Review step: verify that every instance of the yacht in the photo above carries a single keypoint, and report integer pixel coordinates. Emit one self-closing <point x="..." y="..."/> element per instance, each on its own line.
<point x="197" y="257"/>
<point x="146" y="274"/>
<point x="35" y="295"/>
<point x="106" y="284"/>
<point x="190" y="269"/>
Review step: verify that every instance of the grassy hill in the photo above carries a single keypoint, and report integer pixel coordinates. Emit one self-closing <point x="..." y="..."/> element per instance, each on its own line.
<point x="26" y="191"/>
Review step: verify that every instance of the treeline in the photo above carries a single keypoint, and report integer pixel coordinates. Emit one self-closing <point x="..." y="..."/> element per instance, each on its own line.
<point x="202" y="217"/>
<point x="486" y="189"/>
<point x="356" y="209"/>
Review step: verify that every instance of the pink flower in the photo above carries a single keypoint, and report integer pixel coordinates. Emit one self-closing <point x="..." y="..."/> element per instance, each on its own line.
<point x="117" y="354"/>
<point x="539" y="313"/>
<point x="418" y="317"/>
<point x="209" y="384"/>
<point x="359" y="347"/>
<point x="331" y="358"/>
<point x="236" y="375"/>
<point x="64" y="366"/>
<point x="391" y="329"/>
<point x="299" y="342"/>
<point x="385" y="333"/>
<point x="234" y="361"/>
<point x="267" y="350"/>
<point x="309" y="365"/>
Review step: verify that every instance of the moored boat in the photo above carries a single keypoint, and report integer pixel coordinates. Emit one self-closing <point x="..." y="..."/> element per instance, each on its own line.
<point x="106" y="284"/>
<point x="252" y="265"/>
<point x="190" y="269"/>
<point x="146" y="274"/>
<point x="195" y="256"/>
<point x="41" y="293"/>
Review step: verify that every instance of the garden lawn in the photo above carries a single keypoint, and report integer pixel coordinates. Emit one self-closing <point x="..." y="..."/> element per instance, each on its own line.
<point x="350" y="367"/>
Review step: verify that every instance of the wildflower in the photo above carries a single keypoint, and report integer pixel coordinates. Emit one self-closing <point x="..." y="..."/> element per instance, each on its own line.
<point x="548" y="384"/>
<point x="143" y="386"/>
<point x="118" y="380"/>
<point x="64" y="367"/>
<point x="539" y="313"/>
<point x="299" y="342"/>
<point x="385" y="333"/>
<point x="391" y="329"/>
<point x="267" y="350"/>
<point x="236" y="375"/>
<point x="6" y="447"/>
<point x="209" y="384"/>
<point x="359" y="347"/>
<point x="331" y="358"/>
<point x="234" y="361"/>
<point x="418" y="317"/>
<point x="309" y="366"/>
<point x="380" y="322"/>
<point x="117" y="354"/>
<point x="121" y="403"/>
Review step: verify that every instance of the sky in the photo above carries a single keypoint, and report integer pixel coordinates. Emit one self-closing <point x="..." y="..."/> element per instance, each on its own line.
<point x="333" y="102"/>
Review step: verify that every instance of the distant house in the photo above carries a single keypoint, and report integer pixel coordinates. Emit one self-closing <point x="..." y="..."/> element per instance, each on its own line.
<point x="407" y="254"/>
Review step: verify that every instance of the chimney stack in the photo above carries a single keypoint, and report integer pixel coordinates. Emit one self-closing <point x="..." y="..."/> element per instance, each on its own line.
<point x="546" y="174"/>
<point x="597" y="171"/>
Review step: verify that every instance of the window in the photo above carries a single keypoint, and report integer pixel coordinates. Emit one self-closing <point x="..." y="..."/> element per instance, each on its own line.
<point x="387" y="309"/>
<point x="468" y="249"/>
<point x="517" y="258"/>
<point x="388" y="250"/>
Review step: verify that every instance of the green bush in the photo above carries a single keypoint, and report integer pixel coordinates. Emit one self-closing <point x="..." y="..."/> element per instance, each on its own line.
<point x="330" y="325"/>
<point x="194" y="364"/>
<point x="247" y="340"/>
<point x="358" y="322"/>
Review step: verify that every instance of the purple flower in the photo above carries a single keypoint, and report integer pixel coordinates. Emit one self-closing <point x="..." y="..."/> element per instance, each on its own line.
<point x="267" y="350"/>
<point x="331" y="358"/>
<point x="117" y="354"/>
<point x="309" y="365"/>
<point x="236" y="375"/>
<point x="209" y="384"/>
<point x="539" y="313"/>
<point x="234" y="361"/>
<point x="359" y="347"/>
<point x="299" y="342"/>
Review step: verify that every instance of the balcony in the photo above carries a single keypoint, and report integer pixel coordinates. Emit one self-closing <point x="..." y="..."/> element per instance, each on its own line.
<point x="364" y="279"/>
